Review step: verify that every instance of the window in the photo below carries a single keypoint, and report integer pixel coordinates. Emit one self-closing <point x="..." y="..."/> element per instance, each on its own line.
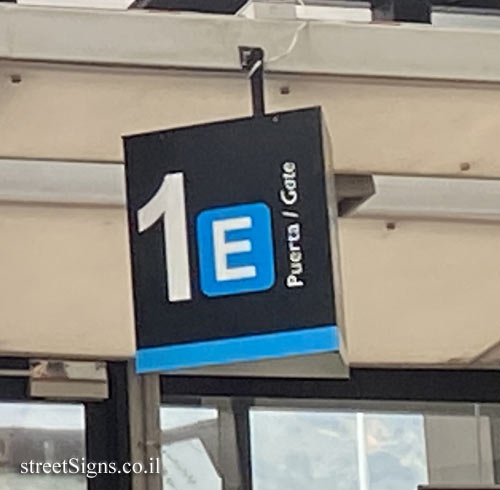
<point x="381" y="429"/>
<point x="387" y="447"/>
<point x="190" y="448"/>
<point x="40" y="432"/>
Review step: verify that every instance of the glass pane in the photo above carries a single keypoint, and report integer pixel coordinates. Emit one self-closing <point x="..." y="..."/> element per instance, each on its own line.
<point x="460" y="449"/>
<point x="492" y="414"/>
<point x="40" y="433"/>
<point x="303" y="449"/>
<point x="383" y="446"/>
<point x="189" y="446"/>
<point x="331" y="450"/>
<point x="395" y="451"/>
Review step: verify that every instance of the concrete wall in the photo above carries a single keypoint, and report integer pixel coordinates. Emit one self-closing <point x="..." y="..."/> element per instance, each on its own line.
<point x="377" y="125"/>
<point x="423" y="293"/>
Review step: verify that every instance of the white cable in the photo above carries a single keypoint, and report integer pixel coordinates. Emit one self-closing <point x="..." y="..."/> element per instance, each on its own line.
<point x="254" y="68"/>
<point x="290" y="48"/>
<point x="292" y="45"/>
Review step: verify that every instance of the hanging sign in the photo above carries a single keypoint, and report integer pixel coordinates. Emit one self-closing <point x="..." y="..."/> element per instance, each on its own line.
<point x="230" y="242"/>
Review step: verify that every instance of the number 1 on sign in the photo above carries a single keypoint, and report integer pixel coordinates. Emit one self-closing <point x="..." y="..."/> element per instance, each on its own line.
<point x="169" y="204"/>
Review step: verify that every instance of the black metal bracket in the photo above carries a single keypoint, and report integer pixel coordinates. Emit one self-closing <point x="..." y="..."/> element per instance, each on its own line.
<point x="252" y="61"/>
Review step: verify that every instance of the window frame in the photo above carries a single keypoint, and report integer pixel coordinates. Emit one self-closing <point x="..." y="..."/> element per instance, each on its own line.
<point x="106" y="422"/>
<point x="364" y="387"/>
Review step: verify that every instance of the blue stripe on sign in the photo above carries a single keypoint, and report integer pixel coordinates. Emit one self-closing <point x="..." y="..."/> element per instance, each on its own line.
<point x="239" y="349"/>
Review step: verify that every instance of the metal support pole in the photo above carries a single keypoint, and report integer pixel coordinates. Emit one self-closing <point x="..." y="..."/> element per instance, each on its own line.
<point x="136" y="424"/>
<point x="252" y="61"/>
<point x="494" y="414"/>
<point x="234" y="444"/>
<point x="240" y="408"/>
<point x="152" y="429"/>
<point x="107" y="434"/>
<point x="145" y="430"/>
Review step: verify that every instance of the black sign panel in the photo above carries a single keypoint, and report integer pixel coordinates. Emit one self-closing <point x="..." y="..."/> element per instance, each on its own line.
<point x="230" y="241"/>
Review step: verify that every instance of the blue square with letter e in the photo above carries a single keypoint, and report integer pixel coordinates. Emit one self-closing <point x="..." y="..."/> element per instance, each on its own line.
<point x="235" y="249"/>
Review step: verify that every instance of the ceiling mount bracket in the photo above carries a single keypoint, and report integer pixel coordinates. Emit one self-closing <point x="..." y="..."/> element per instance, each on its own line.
<point x="252" y="61"/>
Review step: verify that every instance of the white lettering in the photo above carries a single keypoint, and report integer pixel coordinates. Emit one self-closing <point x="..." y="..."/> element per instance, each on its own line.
<point x="295" y="256"/>
<point x="288" y="198"/>
<point x="293" y="282"/>
<point x="289" y="194"/>
<point x="223" y="248"/>
<point x="169" y="204"/>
